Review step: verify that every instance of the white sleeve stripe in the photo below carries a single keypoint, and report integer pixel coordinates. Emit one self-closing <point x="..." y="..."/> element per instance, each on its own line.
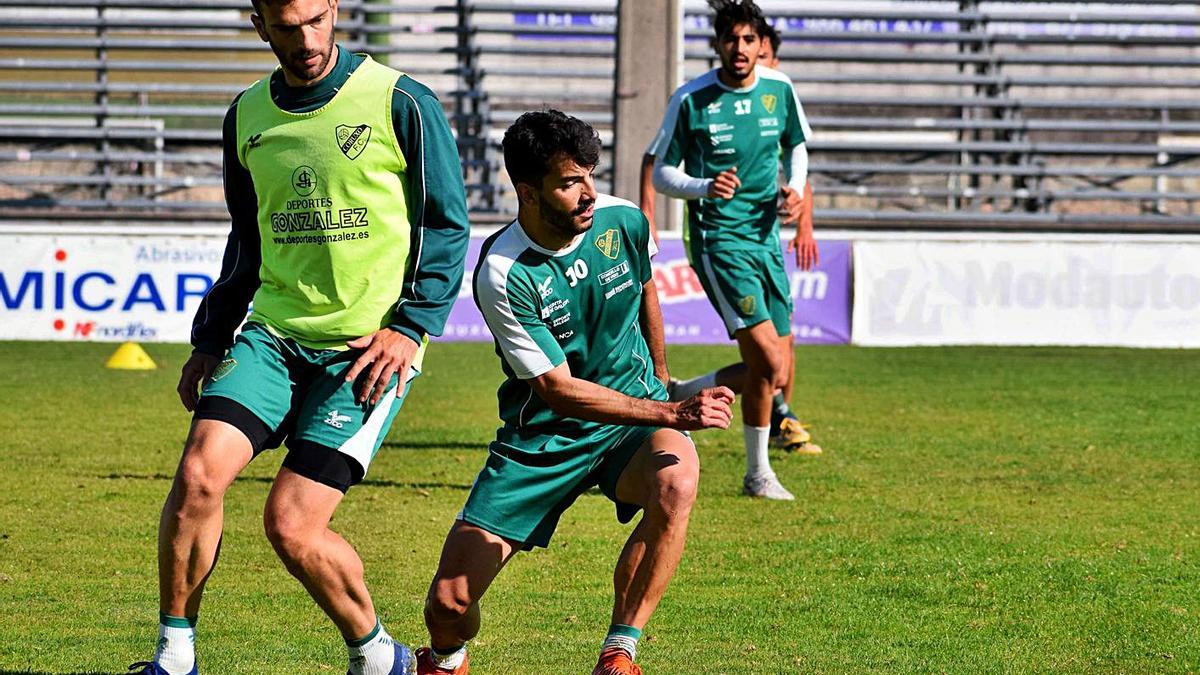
<point x="803" y="119"/>
<point x="606" y="200"/>
<point x="662" y="140"/>
<point x="416" y="248"/>
<point x="520" y="350"/>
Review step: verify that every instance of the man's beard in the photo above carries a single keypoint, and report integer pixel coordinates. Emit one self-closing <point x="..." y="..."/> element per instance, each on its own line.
<point x="732" y="71"/>
<point x="563" y="222"/>
<point x="305" y="73"/>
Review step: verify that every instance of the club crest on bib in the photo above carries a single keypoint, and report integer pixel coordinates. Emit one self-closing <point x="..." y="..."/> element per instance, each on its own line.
<point x="769" y="101"/>
<point x="352" y="140"/>
<point x="609" y="244"/>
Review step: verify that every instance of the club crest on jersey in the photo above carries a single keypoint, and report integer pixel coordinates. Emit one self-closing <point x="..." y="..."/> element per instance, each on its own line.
<point x="352" y="140"/>
<point x="746" y="304"/>
<point x="609" y="244"/>
<point x="769" y="101"/>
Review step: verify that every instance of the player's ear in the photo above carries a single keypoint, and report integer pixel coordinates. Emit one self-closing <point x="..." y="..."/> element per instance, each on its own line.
<point x="525" y="194"/>
<point x="259" y="27"/>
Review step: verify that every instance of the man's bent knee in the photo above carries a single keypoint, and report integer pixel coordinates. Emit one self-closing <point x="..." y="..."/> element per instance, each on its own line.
<point x="212" y="457"/>
<point x="675" y="489"/>
<point x="673" y="482"/>
<point x="198" y="486"/>
<point x="289" y="535"/>
<point x="448" y="602"/>
<point x="765" y="362"/>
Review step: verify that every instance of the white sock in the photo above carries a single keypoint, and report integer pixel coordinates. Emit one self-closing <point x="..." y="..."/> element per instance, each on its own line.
<point x="620" y="642"/>
<point x="176" y="651"/>
<point x="688" y="388"/>
<point x="373" y="654"/>
<point x="448" y="661"/>
<point x="757" y="461"/>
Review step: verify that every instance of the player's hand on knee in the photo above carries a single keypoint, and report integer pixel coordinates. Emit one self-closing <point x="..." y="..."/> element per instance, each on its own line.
<point x="724" y="185"/>
<point x="385" y="353"/>
<point x="195" y="370"/>
<point x="706" y="410"/>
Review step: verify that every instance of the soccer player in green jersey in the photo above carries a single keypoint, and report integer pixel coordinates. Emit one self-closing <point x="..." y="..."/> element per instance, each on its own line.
<point x="349" y="234"/>
<point x="568" y="295"/>
<point x="787" y="431"/>
<point x="728" y="128"/>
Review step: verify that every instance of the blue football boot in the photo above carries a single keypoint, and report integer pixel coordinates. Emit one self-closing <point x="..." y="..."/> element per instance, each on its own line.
<point x="152" y="668"/>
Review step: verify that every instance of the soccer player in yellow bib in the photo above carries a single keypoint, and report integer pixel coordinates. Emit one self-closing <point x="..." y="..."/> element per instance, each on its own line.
<point x="349" y="233"/>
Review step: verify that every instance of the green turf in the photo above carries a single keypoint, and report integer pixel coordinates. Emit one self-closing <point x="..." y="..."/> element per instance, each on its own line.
<point x="977" y="510"/>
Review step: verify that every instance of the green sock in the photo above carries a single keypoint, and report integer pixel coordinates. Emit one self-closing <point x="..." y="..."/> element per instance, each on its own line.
<point x="779" y="405"/>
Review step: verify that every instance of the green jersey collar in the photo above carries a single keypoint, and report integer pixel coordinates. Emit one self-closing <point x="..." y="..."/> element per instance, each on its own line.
<point x="306" y="99"/>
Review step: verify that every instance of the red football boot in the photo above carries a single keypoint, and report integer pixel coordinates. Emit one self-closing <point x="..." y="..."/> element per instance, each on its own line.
<point x="425" y="664"/>
<point x="616" y="662"/>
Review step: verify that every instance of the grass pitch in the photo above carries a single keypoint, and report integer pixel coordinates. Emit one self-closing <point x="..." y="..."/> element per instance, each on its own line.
<point x="977" y="510"/>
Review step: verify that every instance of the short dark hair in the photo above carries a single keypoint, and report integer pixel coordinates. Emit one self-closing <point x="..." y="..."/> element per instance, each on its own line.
<point x="259" y="4"/>
<point x="537" y="137"/>
<point x="730" y="13"/>
<point x="767" y="32"/>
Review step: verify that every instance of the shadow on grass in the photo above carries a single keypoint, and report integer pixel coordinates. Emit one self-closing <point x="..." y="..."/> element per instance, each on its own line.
<point x="417" y="445"/>
<point x="370" y="482"/>
<point x="40" y="672"/>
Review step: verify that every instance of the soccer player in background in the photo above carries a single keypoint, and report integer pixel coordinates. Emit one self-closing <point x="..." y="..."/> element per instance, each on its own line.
<point x="729" y="128"/>
<point x="349" y="232"/>
<point x="567" y="292"/>
<point x="787" y="431"/>
<point x="769" y="42"/>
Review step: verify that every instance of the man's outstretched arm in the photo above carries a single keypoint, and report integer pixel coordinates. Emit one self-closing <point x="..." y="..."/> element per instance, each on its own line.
<point x="570" y="396"/>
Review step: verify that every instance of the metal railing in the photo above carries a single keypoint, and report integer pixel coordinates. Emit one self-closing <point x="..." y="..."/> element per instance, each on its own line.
<point x="112" y="108"/>
<point x="996" y="114"/>
<point x="930" y="114"/>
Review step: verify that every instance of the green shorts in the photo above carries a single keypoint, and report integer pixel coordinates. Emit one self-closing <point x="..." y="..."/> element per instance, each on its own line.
<point x="301" y="394"/>
<point x="746" y="287"/>
<point x="528" y="482"/>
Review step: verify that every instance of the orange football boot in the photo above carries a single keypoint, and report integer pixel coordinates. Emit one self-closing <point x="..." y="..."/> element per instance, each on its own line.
<point x="616" y="662"/>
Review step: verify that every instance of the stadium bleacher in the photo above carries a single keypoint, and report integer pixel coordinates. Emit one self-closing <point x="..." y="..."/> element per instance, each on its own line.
<point x="1072" y="116"/>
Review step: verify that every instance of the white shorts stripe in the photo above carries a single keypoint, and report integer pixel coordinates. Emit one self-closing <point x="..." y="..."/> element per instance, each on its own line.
<point x="733" y="322"/>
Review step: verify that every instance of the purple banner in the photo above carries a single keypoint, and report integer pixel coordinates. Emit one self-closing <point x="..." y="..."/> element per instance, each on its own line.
<point x="821" y="298"/>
